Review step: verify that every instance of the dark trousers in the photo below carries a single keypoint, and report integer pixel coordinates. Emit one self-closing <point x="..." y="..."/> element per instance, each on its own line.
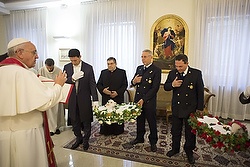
<point x="176" y="131"/>
<point x="78" y="126"/>
<point x="148" y="113"/>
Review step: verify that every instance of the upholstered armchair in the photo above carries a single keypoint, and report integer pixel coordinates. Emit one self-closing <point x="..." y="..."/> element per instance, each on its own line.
<point x="131" y="93"/>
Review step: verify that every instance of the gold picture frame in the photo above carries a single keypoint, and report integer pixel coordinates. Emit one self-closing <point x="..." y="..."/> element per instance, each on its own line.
<point x="63" y="54"/>
<point x="169" y="37"/>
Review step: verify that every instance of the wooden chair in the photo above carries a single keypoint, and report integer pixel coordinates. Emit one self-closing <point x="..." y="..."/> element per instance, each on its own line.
<point x="207" y="96"/>
<point x="131" y="93"/>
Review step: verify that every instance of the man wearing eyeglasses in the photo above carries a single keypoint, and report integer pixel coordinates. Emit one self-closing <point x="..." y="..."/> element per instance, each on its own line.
<point x="112" y="84"/>
<point x="23" y="98"/>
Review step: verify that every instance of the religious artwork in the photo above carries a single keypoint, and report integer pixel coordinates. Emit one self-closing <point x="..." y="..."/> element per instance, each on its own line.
<point x="169" y="38"/>
<point x="63" y="54"/>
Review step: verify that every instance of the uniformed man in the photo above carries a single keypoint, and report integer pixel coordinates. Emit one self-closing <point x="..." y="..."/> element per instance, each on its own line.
<point x="245" y="96"/>
<point x="188" y="97"/>
<point x="147" y="80"/>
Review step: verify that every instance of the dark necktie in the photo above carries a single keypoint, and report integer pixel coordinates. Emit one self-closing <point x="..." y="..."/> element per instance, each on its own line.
<point x="182" y="75"/>
<point x="144" y="69"/>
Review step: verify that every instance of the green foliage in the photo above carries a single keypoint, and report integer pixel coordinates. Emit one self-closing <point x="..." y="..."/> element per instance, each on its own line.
<point x="226" y="142"/>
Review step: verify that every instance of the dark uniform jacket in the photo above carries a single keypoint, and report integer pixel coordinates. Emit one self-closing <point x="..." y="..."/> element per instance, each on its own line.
<point x="116" y="81"/>
<point x="189" y="97"/>
<point x="149" y="85"/>
<point x="244" y="100"/>
<point x="86" y="89"/>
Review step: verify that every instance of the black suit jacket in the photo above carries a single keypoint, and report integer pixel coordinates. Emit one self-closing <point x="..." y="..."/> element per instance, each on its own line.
<point x="189" y="97"/>
<point x="148" y="87"/>
<point x="86" y="89"/>
<point x="117" y="81"/>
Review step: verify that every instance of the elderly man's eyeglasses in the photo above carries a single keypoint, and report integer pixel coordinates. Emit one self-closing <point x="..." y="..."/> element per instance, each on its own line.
<point x="33" y="52"/>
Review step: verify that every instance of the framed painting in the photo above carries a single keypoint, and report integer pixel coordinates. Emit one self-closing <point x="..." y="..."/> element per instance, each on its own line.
<point x="169" y="38"/>
<point x="63" y="54"/>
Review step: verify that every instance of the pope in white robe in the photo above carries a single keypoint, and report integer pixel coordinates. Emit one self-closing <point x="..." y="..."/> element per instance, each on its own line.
<point x="55" y="114"/>
<point x="23" y="99"/>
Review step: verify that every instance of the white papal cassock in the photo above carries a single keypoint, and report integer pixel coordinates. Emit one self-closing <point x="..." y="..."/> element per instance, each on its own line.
<point x="55" y="114"/>
<point x="22" y="100"/>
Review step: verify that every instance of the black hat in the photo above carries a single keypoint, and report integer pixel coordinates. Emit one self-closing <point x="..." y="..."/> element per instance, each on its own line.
<point x="74" y="53"/>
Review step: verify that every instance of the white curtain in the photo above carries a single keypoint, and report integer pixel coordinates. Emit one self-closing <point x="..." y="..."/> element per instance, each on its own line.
<point x="31" y="25"/>
<point x="223" y="53"/>
<point x="113" y="28"/>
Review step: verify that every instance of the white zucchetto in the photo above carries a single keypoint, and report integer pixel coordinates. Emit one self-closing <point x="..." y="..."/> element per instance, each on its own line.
<point x="16" y="41"/>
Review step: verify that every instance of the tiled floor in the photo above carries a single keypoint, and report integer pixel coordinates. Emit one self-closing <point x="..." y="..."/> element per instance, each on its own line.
<point x="72" y="158"/>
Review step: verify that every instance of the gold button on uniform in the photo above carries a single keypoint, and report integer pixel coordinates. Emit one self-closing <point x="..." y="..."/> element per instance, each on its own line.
<point x="178" y="94"/>
<point x="178" y="102"/>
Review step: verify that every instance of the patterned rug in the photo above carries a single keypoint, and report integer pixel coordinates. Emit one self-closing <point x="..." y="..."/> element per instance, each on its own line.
<point x="119" y="147"/>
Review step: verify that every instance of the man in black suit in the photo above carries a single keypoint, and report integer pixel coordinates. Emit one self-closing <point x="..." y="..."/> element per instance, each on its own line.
<point x="112" y="84"/>
<point x="81" y="75"/>
<point x="188" y="97"/>
<point x="147" y="80"/>
<point x="245" y="96"/>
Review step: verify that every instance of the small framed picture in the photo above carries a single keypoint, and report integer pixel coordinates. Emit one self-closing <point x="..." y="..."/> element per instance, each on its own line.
<point x="63" y="54"/>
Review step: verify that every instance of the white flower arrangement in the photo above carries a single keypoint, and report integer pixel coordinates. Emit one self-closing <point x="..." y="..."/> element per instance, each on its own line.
<point x="117" y="113"/>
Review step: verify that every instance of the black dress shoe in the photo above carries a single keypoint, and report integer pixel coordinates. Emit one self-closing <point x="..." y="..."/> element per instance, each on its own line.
<point x="153" y="148"/>
<point x="172" y="153"/>
<point x="85" y="146"/>
<point x="191" y="159"/>
<point x="76" y="144"/>
<point x="51" y="133"/>
<point x="133" y="142"/>
<point x="57" y="132"/>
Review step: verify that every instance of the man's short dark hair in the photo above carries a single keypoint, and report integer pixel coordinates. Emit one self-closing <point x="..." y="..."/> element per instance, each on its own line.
<point x="49" y="62"/>
<point x="74" y="53"/>
<point x="182" y="57"/>
<point x="111" y="58"/>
